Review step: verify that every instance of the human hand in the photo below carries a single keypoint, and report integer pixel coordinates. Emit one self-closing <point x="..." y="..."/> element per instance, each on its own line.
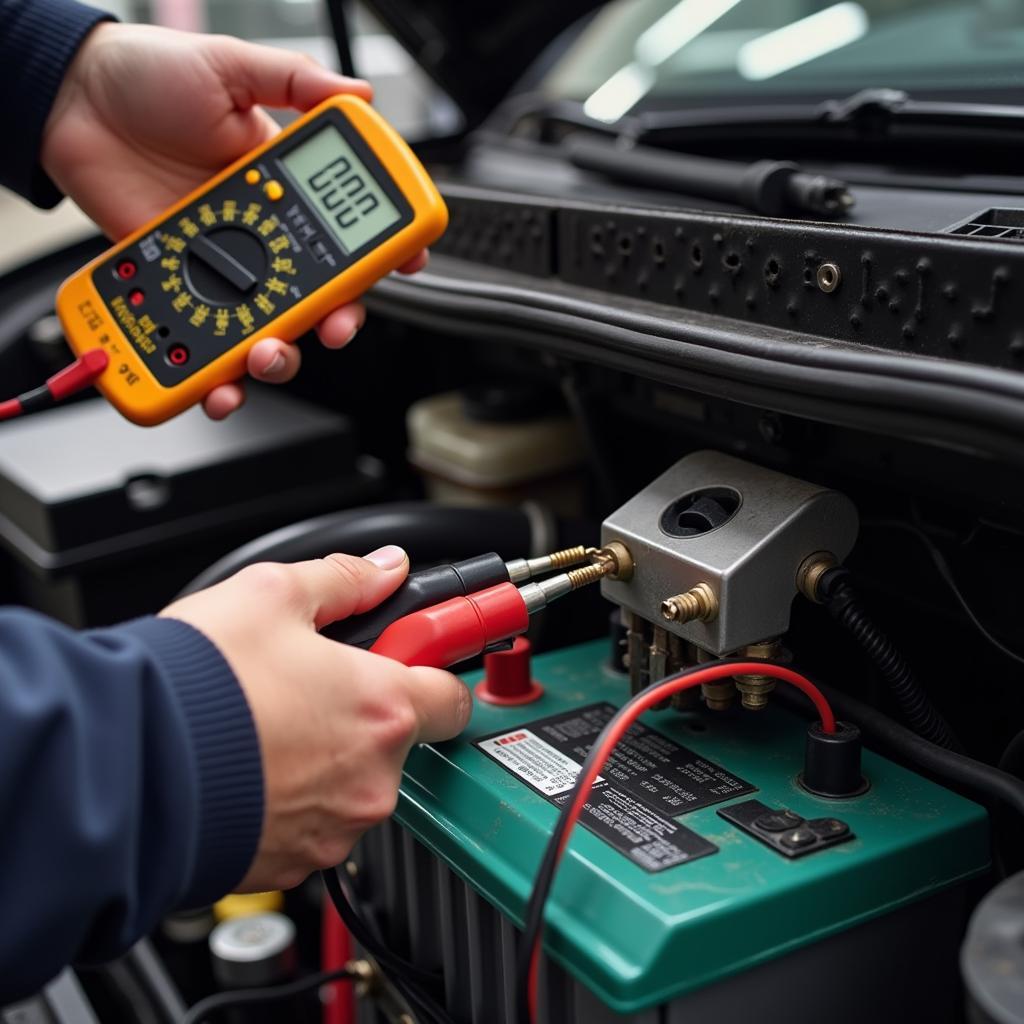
<point x="335" y="723"/>
<point x="146" y="115"/>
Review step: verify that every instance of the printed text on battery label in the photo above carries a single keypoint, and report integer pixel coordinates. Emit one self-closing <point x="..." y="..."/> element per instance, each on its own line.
<point x="525" y="754"/>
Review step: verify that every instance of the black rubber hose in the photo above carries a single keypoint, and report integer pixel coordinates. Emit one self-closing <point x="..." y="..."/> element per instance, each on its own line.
<point x="889" y="737"/>
<point x="429" y="532"/>
<point x="843" y="603"/>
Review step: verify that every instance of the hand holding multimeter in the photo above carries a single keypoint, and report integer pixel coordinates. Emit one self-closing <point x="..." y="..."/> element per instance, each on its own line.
<point x="267" y="248"/>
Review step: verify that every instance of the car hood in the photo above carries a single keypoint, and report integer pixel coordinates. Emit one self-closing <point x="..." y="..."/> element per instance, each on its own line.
<point x="476" y="51"/>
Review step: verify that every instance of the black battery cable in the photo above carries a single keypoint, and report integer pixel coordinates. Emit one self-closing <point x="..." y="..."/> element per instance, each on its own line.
<point x="411" y="980"/>
<point x="271" y="993"/>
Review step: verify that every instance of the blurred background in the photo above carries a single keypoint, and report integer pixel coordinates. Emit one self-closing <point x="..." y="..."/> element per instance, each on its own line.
<point x="403" y="93"/>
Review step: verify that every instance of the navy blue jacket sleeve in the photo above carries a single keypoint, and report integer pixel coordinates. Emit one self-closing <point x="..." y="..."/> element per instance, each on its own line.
<point x="130" y="784"/>
<point x="38" y="40"/>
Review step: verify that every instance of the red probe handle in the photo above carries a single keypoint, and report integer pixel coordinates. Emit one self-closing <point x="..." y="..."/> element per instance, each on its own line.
<point x="455" y="630"/>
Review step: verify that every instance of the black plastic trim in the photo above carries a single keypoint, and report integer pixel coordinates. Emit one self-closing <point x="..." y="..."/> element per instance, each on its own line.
<point x="950" y="403"/>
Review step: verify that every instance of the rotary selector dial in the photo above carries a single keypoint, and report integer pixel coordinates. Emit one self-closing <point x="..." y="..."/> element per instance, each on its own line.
<point x="229" y="267"/>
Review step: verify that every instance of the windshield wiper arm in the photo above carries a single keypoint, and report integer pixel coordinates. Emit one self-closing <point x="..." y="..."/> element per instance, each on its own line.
<point x="772" y="187"/>
<point x="869" y="115"/>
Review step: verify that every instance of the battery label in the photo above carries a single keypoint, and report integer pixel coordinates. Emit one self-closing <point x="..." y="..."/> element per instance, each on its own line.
<point x="525" y="754"/>
<point x="649" y="780"/>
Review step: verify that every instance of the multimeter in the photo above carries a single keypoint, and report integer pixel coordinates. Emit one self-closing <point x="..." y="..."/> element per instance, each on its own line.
<point x="267" y="248"/>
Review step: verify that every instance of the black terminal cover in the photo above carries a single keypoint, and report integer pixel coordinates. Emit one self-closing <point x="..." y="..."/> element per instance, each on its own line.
<point x="476" y="51"/>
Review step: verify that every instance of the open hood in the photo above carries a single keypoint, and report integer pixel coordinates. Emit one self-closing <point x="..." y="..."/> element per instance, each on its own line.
<point x="476" y="51"/>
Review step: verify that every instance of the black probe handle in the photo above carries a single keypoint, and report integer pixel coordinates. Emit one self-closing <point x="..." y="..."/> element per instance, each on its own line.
<point x="760" y="186"/>
<point x="420" y="590"/>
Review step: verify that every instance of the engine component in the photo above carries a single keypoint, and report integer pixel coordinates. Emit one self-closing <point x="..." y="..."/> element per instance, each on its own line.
<point x="720" y="548"/>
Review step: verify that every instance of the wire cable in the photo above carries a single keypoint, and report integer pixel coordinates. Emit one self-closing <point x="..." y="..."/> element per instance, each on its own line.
<point x="528" y="961"/>
<point x="843" y="603"/>
<point x="411" y="980"/>
<point x="247" y="996"/>
<point x="944" y="570"/>
<point x="82" y="373"/>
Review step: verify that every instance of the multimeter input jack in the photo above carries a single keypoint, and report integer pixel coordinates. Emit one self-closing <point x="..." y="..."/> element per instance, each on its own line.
<point x="177" y="355"/>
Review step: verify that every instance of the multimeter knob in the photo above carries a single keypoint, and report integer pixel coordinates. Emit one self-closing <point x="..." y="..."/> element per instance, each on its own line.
<point x="225" y="265"/>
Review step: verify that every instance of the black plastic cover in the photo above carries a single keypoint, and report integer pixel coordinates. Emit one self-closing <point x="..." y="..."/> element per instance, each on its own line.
<point x="79" y="484"/>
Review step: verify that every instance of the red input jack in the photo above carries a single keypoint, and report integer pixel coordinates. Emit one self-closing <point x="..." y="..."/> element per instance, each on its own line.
<point x="177" y="355"/>
<point x="126" y="270"/>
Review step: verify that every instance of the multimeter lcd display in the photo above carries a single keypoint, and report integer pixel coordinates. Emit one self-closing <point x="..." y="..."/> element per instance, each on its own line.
<point x="337" y="184"/>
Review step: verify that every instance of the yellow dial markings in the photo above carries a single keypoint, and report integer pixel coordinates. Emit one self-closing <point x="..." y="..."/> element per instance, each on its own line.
<point x="283" y="265"/>
<point x="252" y="214"/>
<point x="206" y="215"/>
<point x="229" y="210"/>
<point x="263" y="304"/>
<point x="279" y="244"/>
<point x="221" y="320"/>
<point x="268" y="226"/>
<point x="188" y="227"/>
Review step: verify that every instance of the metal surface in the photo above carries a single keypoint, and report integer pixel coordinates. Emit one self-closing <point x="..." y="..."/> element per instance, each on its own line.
<point x="750" y="562"/>
<point x="636" y="939"/>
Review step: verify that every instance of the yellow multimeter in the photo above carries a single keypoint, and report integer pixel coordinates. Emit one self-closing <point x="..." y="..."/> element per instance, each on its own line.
<point x="266" y="248"/>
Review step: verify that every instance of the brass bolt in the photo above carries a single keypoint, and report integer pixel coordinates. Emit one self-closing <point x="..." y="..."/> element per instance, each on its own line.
<point x="812" y="568"/>
<point x="364" y="975"/>
<point x="570" y="556"/>
<point x="753" y="688"/>
<point x="616" y="558"/>
<point x="698" y="603"/>
<point x="719" y="695"/>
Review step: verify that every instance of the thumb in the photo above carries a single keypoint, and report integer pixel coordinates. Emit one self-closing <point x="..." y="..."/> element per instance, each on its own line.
<point x="273" y="77"/>
<point x="338" y="586"/>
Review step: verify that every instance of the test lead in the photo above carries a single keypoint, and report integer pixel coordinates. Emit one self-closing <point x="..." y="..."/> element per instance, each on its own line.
<point x="468" y="625"/>
<point x="432" y="586"/>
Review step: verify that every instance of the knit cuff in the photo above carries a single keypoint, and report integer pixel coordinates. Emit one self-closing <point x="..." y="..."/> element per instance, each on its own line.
<point x="225" y="752"/>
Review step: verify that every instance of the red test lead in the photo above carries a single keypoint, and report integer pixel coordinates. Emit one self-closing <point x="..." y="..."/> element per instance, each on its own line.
<point x="82" y="373"/>
<point x="463" y="627"/>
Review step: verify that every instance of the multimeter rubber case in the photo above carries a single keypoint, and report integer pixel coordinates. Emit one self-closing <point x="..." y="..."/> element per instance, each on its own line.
<point x="267" y="248"/>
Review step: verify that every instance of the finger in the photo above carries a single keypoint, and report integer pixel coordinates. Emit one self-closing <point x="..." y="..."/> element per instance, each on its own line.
<point x="273" y="361"/>
<point x="337" y="329"/>
<point x="416" y="264"/>
<point x="442" y="701"/>
<point x="338" y="586"/>
<point x="222" y="401"/>
<point x="268" y="75"/>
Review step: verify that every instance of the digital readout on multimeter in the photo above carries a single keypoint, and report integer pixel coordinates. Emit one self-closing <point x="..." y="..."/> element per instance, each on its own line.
<point x="340" y="187"/>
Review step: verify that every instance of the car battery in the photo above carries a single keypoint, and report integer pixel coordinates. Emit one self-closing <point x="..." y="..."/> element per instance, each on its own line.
<point x="102" y="520"/>
<point x="703" y="884"/>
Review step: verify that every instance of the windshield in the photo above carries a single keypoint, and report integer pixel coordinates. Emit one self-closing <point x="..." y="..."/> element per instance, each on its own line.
<point x="642" y="54"/>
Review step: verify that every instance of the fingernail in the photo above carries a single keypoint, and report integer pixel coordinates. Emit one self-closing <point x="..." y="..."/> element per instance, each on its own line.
<point x="391" y="556"/>
<point x="351" y="337"/>
<point x="275" y="365"/>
